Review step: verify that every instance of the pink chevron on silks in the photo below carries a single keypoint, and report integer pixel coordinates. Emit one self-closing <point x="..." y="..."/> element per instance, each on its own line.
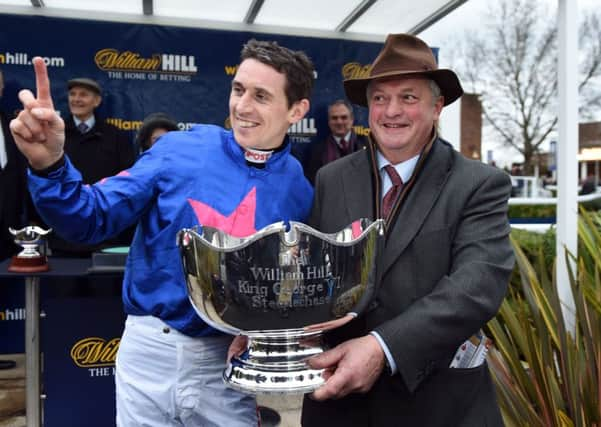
<point x="122" y="173"/>
<point x="239" y="223"/>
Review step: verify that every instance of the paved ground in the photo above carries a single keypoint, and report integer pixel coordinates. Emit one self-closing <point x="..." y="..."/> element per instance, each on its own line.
<point x="287" y="406"/>
<point x="12" y="399"/>
<point x="12" y="392"/>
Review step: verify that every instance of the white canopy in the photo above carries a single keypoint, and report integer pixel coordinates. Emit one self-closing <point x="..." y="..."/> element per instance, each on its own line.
<point x="356" y="19"/>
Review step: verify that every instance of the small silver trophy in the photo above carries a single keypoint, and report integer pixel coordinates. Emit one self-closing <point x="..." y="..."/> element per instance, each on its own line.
<point x="29" y="260"/>
<point x="281" y="289"/>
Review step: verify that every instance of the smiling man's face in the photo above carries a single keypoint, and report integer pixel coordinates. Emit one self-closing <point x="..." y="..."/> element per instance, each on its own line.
<point x="402" y="113"/>
<point x="83" y="102"/>
<point x="340" y="120"/>
<point x="259" y="111"/>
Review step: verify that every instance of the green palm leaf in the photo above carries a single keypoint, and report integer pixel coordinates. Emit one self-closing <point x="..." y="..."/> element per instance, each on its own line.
<point x="544" y="374"/>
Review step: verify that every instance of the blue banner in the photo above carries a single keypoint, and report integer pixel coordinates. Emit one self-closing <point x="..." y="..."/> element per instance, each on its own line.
<point x="12" y="315"/>
<point x="80" y="341"/>
<point x="185" y="72"/>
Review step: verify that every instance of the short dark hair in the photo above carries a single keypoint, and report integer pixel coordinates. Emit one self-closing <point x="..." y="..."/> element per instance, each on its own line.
<point x="151" y="122"/>
<point x="344" y="102"/>
<point x="294" y="64"/>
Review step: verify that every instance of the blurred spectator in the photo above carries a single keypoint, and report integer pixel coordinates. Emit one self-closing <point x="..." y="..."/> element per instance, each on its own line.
<point x="13" y="193"/>
<point x="96" y="148"/>
<point x="341" y="141"/>
<point x="13" y="190"/>
<point x="548" y="179"/>
<point x="516" y="169"/>
<point x="154" y="126"/>
<point x="589" y="185"/>
<point x="517" y="184"/>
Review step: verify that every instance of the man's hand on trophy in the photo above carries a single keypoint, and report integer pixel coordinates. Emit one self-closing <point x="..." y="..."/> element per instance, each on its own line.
<point x="38" y="130"/>
<point x="237" y="347"/>
<point x="352" y="366"/>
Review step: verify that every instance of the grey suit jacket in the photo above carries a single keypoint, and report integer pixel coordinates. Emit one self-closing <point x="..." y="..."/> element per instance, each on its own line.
<point x="446" y="264"/>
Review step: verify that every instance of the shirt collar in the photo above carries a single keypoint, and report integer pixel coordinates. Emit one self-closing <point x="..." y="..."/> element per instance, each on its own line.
<point x="404" y="169"/>
<point x="90" y="122"/>
<point x="347" y="138"/>
<point x="237" y="152"/>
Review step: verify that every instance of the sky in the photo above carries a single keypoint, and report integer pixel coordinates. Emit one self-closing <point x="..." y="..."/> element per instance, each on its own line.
<point x="446" y="32"/>
<point x="472" y="13"/>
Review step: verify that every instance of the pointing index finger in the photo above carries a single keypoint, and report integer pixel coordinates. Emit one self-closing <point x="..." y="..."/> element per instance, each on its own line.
<point x="42" y="82"/>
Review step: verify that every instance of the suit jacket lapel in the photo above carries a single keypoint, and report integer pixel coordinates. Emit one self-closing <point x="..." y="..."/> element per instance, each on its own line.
<point x="357" y="187"/>
<point x="418" y="203"/>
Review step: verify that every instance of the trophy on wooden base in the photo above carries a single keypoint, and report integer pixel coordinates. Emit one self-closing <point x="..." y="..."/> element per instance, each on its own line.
<point x="29" y="260"/>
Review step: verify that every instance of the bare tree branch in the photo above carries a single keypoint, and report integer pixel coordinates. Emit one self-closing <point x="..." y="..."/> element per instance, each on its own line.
<point x="512" y="64"/>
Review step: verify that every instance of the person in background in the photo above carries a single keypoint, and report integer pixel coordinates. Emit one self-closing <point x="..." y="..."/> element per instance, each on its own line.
<point x="517" y="172"/>
<point x="589" y="184"/>
<point x="13" y="194"/>
<point x="154" y="126"/>
<point x="444" y="269"/>
<point x="13" y="188"/>
<point x="341" y="141"/>
<point x="97" y="150"/>
<point x="170" y="362"/>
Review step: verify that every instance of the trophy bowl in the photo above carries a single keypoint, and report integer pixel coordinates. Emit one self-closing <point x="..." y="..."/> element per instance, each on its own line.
<point x="281" y="289"/>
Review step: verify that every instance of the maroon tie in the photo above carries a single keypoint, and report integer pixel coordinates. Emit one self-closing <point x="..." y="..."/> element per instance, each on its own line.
<point x="343" y="146"/>
<point x="393" y="192"/>
<point x="83" y="127"/>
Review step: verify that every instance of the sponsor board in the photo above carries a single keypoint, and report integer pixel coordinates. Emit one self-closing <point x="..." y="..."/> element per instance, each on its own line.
<point x="130" y="65"/>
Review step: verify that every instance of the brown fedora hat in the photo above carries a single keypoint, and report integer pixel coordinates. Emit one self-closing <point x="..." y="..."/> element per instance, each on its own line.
<point x="405" y="55"/>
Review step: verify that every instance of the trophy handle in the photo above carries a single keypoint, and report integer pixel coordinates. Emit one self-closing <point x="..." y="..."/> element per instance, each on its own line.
<point x="30" y="229"/>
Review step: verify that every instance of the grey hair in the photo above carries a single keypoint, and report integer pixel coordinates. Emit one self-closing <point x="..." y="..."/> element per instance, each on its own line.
<point x="435" y="90"/>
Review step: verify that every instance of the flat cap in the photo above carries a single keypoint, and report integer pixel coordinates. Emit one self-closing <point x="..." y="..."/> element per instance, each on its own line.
<point x="85" y="82"/>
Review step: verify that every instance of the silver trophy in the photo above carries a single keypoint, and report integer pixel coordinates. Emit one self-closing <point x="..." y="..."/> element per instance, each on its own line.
<point x="29" y="260"/>
<point x="281" y="289"/>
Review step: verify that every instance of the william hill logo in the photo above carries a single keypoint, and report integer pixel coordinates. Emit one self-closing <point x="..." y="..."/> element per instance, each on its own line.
<point x="302" y="131"/>
<point x="113" y="60"/>
<point x="304" y="127"/>
<point x="14" y="314"/>
<point x="231" y="70"/>
<point x="361" y="130"/>
<point x="94" y="352"/>
<point x="354" y="70"/>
